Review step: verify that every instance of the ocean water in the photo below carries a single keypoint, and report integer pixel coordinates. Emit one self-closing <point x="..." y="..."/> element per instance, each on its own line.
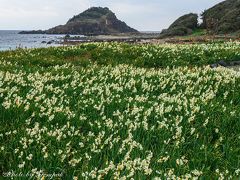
<point x="10" y="40"/>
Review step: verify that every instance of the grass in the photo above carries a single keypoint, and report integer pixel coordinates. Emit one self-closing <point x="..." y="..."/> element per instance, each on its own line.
<point x="105" y="111"/>
<point x="146" y="56"/>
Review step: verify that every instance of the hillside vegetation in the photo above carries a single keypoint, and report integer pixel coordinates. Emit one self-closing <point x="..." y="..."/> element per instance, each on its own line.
<point x="223" y="18"/>
<point x="185" y="25"/>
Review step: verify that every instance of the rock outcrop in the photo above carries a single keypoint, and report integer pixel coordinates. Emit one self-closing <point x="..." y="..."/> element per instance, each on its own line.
<point x="223" y="17"/>
<point x="94" y="21"/>
<point x="182" y="26"/>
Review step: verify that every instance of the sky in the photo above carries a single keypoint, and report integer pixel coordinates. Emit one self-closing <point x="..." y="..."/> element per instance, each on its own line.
<point x="143" y="15"/>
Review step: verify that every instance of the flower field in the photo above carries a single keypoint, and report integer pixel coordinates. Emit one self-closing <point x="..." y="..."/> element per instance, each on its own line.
<point x="118" y="111"/>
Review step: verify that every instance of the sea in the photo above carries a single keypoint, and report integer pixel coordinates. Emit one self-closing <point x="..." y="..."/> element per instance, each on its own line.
<point x="10" y="40"/>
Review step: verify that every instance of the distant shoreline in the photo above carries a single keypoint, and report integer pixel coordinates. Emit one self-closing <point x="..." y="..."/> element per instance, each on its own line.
<point x="10" y="40"/>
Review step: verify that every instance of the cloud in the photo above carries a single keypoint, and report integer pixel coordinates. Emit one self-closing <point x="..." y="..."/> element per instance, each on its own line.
<point x="21" y="13"/>
<point x="131" y="8"/>
<point x="35" y="14"/>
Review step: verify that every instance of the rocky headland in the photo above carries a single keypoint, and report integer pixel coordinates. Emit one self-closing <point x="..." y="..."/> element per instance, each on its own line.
<point x="94" y="21"/>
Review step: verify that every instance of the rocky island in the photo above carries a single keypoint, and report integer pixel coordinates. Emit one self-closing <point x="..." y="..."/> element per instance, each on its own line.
<point x="94" y="21"/>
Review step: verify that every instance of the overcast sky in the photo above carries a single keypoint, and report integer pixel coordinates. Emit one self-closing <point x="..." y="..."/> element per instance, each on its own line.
<point x="143" y="15"/>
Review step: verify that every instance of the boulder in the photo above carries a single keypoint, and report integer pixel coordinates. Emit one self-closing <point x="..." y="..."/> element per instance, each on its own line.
<point x="225" y="64"/>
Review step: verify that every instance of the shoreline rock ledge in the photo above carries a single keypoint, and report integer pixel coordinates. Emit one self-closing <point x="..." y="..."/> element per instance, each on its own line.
<point x="94" y="21"/>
